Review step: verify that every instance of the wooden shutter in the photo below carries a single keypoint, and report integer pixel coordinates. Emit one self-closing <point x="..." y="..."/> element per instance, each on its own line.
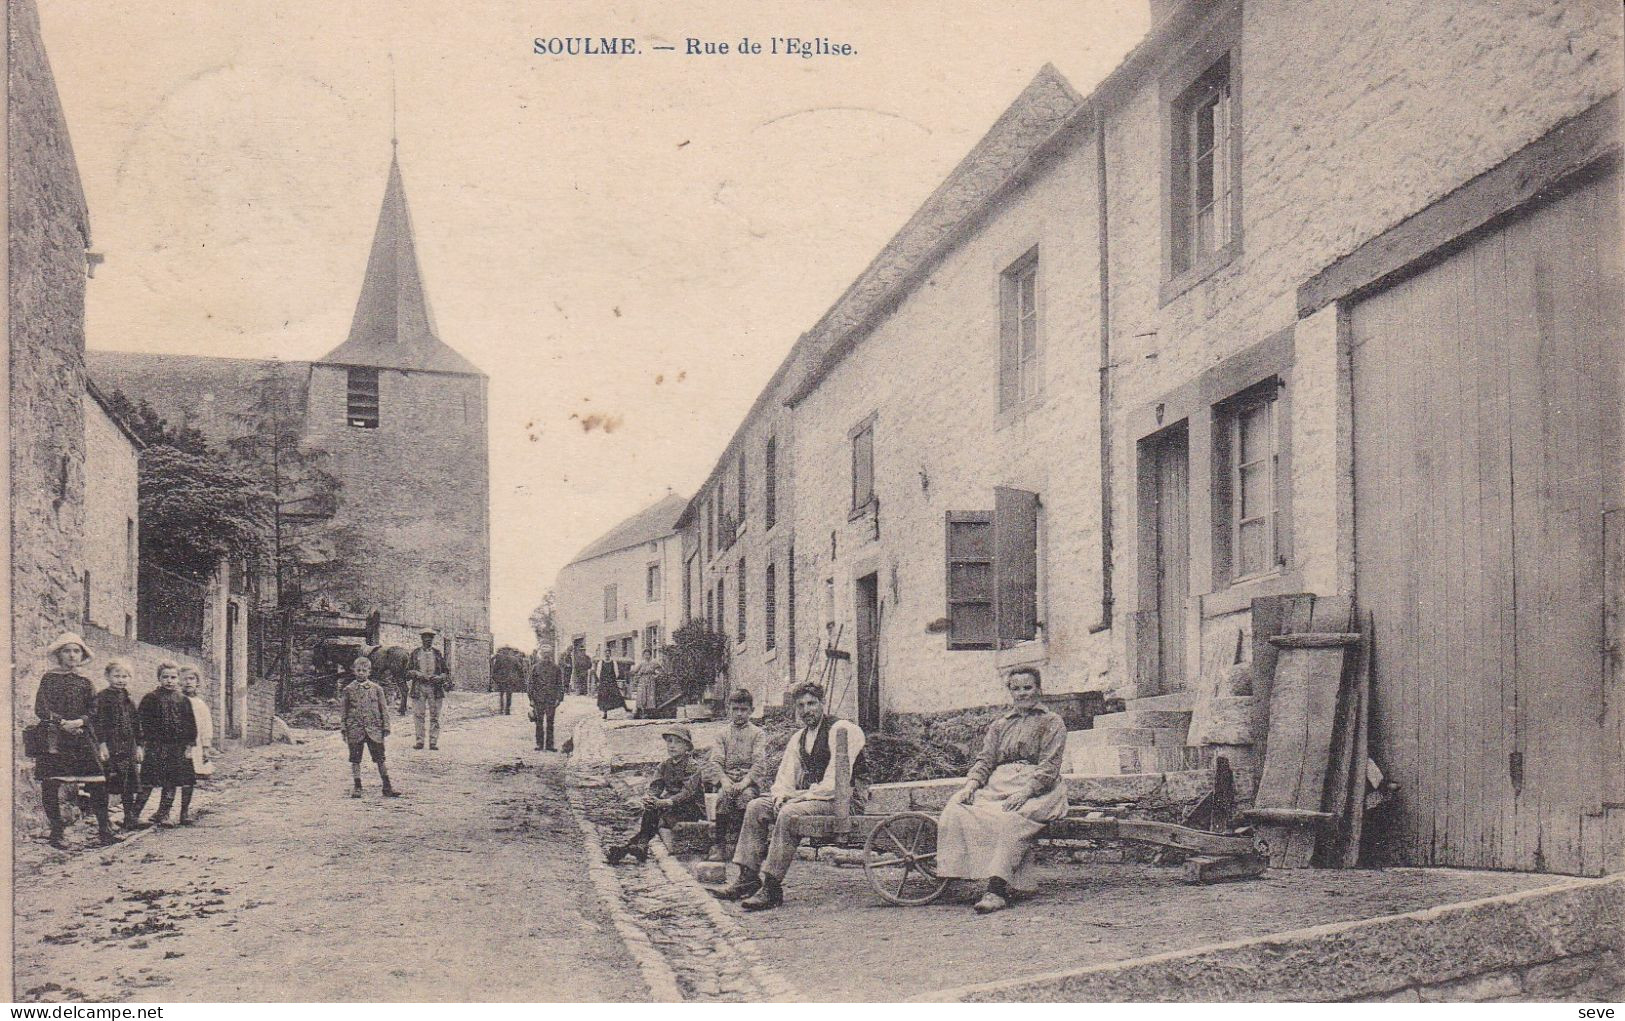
<point x="1015" y="565"/>
<point x="970" y="586"/>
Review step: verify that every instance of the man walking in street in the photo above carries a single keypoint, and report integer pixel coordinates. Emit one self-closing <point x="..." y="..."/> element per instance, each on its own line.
<point x="546" y="689"/>
<point x="430" y="681"/>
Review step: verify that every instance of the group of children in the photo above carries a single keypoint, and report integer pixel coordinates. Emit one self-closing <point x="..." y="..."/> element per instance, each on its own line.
<point x="102" y="741"/>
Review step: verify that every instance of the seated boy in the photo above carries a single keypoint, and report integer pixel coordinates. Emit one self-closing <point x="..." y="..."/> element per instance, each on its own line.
<point x="741" y="752"/>
<point x="674" y="796"/>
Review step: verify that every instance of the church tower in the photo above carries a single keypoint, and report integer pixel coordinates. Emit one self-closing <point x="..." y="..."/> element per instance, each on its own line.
<point x="403" y="417"/>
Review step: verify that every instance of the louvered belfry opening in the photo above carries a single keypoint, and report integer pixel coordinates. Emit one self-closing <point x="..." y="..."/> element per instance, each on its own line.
<point x="361" y="399"/>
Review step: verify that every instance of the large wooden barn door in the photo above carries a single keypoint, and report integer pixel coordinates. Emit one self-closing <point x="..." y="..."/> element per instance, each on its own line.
<point x="1488" y="481"/>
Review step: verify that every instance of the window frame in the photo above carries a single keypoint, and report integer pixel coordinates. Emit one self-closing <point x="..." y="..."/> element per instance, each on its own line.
<point x="984" y="520"/>
<point x="743" y="606"/>
<point x="612" y="602"/>
<point x="770" y="608"/>
<point x="770" y="482"/>
<point x="653" y="582"/>
<point x="1227" y="418"/>
<point x="1021" y="371"/>
<point x="1188" y="82"/>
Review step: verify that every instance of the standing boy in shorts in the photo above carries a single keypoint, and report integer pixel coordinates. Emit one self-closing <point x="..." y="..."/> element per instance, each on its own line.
<point x="365" y="714"/>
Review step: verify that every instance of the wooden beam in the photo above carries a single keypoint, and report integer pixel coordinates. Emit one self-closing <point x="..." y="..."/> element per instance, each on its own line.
<point x="1542" y="167"/>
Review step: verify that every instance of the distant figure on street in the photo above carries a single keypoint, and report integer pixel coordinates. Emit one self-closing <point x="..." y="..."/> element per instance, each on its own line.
<point x="987" y="829"/>
<point x="430" y="680"/>
<point x="609" y="687"/>
<point x="643" y="690"/>
<point x="674" y="795"/>
<point x="739" y="755"/>
<point x="364" y="720"/>
<point x="169" y="728"/>
<point x="805" y="785"/>
<point x="118" y="732"/>
<point x="65" y="750"/>
<point x="508" y="672"/>
<point x="581" y="673"/>
<point x="546" y="688"/>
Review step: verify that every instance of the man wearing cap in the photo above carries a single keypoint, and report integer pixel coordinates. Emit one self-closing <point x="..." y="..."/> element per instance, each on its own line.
<point x="804" y="785"/>
<point x="675" y="795"/>
<point x="429" y="680"/>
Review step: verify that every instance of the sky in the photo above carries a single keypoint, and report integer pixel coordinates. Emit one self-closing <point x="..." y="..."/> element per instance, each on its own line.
<point x="642" y="237"/>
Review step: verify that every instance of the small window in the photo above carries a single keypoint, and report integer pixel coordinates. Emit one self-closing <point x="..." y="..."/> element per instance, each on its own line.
<point x="722" y="606"/>
<point x="131" y="555"/>
<point x="790" y="608"/>
<point x="710" y="611"/>
<point x="770" y="481"/>
<point x="970" y="580"/>
<point x="1018" y="333"/>
<point x="1202" y="170"/>
<point x="770" y="610"/>
<point x="361" y="402"/>
<point x="612" y="602"/>
<point x="651" y="638"/>
<point x="1248" y="490"/>
<point x="863" y="465"/>
<point x="651" y="583"/>
<point x="740" y="597"/>
<point x="129" y="625"/>
<point x="992" y="562"/>
<point x="740" y="471"/>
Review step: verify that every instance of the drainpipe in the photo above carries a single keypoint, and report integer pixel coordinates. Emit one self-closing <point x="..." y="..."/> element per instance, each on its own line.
<point x="1102" y="227"/>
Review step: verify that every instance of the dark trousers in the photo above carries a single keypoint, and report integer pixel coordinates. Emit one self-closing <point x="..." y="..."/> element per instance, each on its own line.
<point x="51" y="796"/>
<point x="505" y="702"/>
<point x="652" y="819"/>
<point x="544" y="726"/>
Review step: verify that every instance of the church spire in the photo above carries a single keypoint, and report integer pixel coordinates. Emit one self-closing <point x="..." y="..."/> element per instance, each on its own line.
<point x="393" y="326"/>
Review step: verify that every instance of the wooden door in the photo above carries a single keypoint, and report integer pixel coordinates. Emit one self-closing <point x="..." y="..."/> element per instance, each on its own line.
<point x="1171" y="493"/>
<point x="867" y="642"/>
<point x="1487" y="421"/>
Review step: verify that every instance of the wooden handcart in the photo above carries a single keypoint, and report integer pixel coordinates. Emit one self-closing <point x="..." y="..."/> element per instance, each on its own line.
<point x="900" y="849"/>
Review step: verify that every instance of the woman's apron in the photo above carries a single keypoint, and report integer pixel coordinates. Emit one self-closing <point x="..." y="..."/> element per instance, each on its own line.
<point x="982" y="840"/>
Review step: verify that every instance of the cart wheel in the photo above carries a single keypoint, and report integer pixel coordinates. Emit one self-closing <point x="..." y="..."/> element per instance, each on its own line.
<point x="900" y="859"/>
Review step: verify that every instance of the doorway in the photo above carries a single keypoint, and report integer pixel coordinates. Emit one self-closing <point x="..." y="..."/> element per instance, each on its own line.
<point x="1164" y="575"/>
<point x="868" y="652"/>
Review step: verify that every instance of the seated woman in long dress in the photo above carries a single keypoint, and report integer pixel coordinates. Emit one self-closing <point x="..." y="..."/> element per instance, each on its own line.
<point x="987" y="828"/>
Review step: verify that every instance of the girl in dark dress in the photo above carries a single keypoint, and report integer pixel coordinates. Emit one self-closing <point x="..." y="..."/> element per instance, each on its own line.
<point x="609" y="688"/>
<point x="63" y="704"/>
<point x="168" y="730"/>
<point x="118" y="732"/>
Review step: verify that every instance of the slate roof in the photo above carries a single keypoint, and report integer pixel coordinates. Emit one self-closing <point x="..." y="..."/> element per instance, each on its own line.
<point x="393" y="327"/>
<point x="653" y="522"/>
<point x="213" y="395"/>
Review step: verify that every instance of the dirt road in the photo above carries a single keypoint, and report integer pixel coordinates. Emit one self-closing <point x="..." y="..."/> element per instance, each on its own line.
<point x="472" y="887"/>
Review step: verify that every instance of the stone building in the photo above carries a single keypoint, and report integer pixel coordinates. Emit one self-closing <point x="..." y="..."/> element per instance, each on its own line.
<point x="623" y="592"/>
<point x="112" y="536"/>
<point x="402" y="418"/>
<point x="1298" y="300"/>
<point x="48" y="240"/>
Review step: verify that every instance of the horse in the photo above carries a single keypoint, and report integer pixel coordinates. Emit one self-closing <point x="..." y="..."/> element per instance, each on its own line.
<point x="390" y="664"/>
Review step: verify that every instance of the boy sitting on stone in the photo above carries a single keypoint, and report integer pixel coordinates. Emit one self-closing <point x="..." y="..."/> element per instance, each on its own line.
<point x="675" y="795"/>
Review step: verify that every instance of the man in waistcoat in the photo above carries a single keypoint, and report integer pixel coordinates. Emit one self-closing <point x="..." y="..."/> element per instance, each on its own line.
<point x="804" y="785"/>
<point x="429" y="681"/>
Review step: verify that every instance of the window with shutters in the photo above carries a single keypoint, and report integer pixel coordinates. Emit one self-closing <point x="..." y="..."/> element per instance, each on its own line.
<point x="361" y="399"/>
<point x="612" y="602"/>
<point x="790" y="609"/>
<point x="863" y="464"/>
<point x="770" y="481"/>
<point x="1249" y="482"/>
<point x="992" y="573"/>
<point x="740" y="597"/>
<point x="1019" y="336"/>
<point x="770" y="610"/>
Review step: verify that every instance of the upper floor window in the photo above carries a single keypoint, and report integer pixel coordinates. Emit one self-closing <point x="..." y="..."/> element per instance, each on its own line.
<point x="770" y="609"/>
<point x="361" y="400"/>
<point x="863" y="464"/>
<point x="1018" y="332"/>
<point x="651" y="583"/>
<point x="612" y="602"/>
<point x="740" y="596"/>
<point x="740" y="471"/>
<point x="770" y="481"/>
<point x="1202" y="169"/>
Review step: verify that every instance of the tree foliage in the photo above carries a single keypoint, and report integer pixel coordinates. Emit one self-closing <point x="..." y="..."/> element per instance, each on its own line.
<point x="198" y="508"/>
<point x="153" y="429"/>
<point x="695" y="656"/>
<point x="544" y="621"/>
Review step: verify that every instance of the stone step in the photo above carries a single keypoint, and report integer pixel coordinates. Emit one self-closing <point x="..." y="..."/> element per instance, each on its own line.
<point x="1082" y="788"/>
<point x="1172" y="719"/>
<point x="1107" y="760"/>
<point x="1178" y="700"/>
<point x="1151" y="736"/>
